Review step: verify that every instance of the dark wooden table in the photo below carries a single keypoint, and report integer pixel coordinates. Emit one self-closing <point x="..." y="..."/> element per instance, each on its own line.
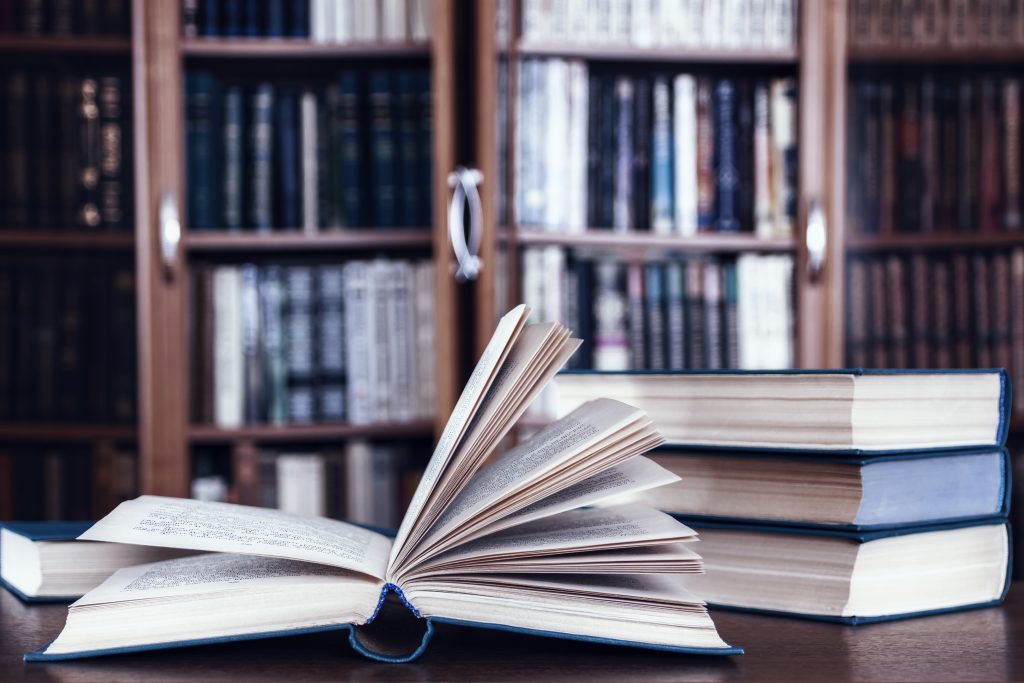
<point x="984" y="645"/>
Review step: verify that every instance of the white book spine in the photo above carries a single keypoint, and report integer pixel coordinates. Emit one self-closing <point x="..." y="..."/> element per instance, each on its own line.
<point x="419" y="20"/>
<point x="553" y="276"/>
<point x="734" y="23"/>
<point x="533" y="283"/>
<point x="310" y="170"/>
<point x="301" y="484"/>
<point x="577" y="157"/>
<point x="578" y="25"/>
<point x="556" y="162"/>
<point x="641" y="23"/>
<point x="329" y="18"/>
<point x="377" y="333"/>
<point x="317" y="25"/>
<point x="228" y="352"/>
<point x="425" y="325"/>
<point x="359" y="482"/>
<point x="711" y="24"/>
<point x="531" y="21"/>
<point x="357" y="342"/>
<point x="618" y="22"/>
<point x="342" y="18"/>
<point x="394" y="21"/>
<point x="744" y="311"/>
<point x="685" y="140"/>
<point x="667" y="22"/>
<point x="755" y="31"/>
<point x="402" y="337"/>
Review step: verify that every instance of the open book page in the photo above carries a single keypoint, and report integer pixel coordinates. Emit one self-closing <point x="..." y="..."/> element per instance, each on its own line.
<point x="536" y="355"/>
<point x="671" y="558"/>
<point x="601" y="433"/>
<point x="476" y="387"/>
<point x="576" y="531"/>
<point x="213" y="596"/>
<point x="223" y="527"/>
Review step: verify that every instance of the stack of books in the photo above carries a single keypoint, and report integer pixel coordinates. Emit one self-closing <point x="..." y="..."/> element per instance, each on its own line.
<point x="846" y="495"/>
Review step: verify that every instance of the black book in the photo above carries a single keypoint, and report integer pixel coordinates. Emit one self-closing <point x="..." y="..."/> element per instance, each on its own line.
<point x="90" y="16"/>
<point x="89" y="215"/>
<point x="70" y="343"/>
<point x="968" y="156"/>
<point x="287" y="164"/>
<point x="606" y="185"/>
<point x="383" y="159"/>
<point x="65" y="181"/>
<point x="594" y="130"/>
<point x="261" y="158"/>
<point x="62" y="17"/>
<point x="347" y="158"/>
<point x="123" y="356"/>
<point x="201" y="105"/>
<point x="42" y="151"/>
<point x="909" y="177"/>
<point x="299" y="340"/>
<point x="44" y="341"/>
<point x="209" y="17"/>
<point x="330" y="343"/>
<point x="32" y="17"/>
<point x="584" y="312"/>
<point x="425" y="157"/>
<point x="726" y="171"/>
<point x="948" y="192"/>
<point x="409" y="210"/>
<point x="98" y="331"/>
<point x="115" y="18"/>
<point x="642" y="126"/>
<point x="252" y="21"/>
<point x="26" y="274"/>
<point x="16" y="153"/>
<point x="113" y="171"/>
<point x="300" y="18"/>
<point x="745" y="154"/>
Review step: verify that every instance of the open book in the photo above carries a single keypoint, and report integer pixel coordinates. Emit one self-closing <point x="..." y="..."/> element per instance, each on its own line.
<point x="512" y="540"/>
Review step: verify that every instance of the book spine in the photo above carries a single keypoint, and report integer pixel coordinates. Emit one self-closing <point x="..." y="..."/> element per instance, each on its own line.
<point x="655" y="293"/>
<point x="622" y="218"/>
<point x="879" y="345"/>
<point x="65" y="185"/>
<point x="730" y="317"/>
<point x="348" y="137"/>
<point x="967" y="158"/>
<point x="274" y="18"/>
<point x="713" y="300"/>
<point x="744" y="148"/>
<point x="764" y="225"/>
<point x="261" y="158"/>
<point x="229" y="368"/>
<point x="989" y="219"/>
<point x="910" y="170"/>
<point x="921" y="342"/>
<point x="1017" y="316"/>
<point x="286" y="160"/>
<point x="608" y="138"/>
<point x="727" y="171"/>
<point x="231" y="185"/>
<point x="705" y="156"/>
<point x="112" y="168"/>
<point x="323" y="192"/>
<point x="189" y="18"/>
<point x="949" y="189"/>
<point x="583" y="279"/>
<point x="611" y="349"/>
<point x="123" y="352"/>
<point x="357" y="341"/>
<point x="275" y="360"/>
<point x="857" y="329"/>
<point x="675" y="315"/>
<point x="252" y="342"/>
<point x="7" y="346"/>
<point x="200" y="96"/>
<point x="784" y="136"/>
<point x="42" y="158"/>
<point x="1000" y="316"/>
<point x="330" y="323"/>
<point x="982" y="313"/>
<point x="685" y="166"/>
<point x="961" y="288"/>
<point x="210" y="18"/>
<point x="899" y="329"/>
<point x="299" y="342"/>
<point x="44" y="338"/>
<point x="635" y="303"/>
<point x="595" y="126"/>
<point x="930" y="165"/>
<point x="425" y="157"/>
<point x="299" y="19"/>
<point x="202" y="343"/>
<point x="696" y="357"/>
<point x="88" y="153"/>
<point x="942" y="321"/>
<point x="662" y="206"/>
<point x="401" y="385"/>
<point x="643" y="129"/>
<point x="1011" y="154"/>
<point x="382" y="134"/>
<point x="16" y="167"/>
<point x="309" y="144"/>
<point x="408" y="150"/>
<point x="887" y="160"/>
<point x="251" y="18"/>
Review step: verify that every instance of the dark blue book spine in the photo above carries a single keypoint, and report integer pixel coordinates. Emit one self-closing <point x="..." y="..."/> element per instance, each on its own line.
<point x="655" y="293"/>
<point x="252" y="18"/>
<point x="300" y="18"/>
<point x="286" y="157"/>
<point x="408" y="148"/>
<point x="231" y="185"/>
<point x="209" y="23"/>
<point x="200" y="135"/>
<point x="275" y="18"/>
<point x="606" y="181"/>
<point x="382" y="139"/>
<point x="642" y="125"/>
<point x="330" y="343"/>
<point x="261" y="135"/>
<point x="662" y="211"/>
<point x="675" y="314"/>
<point x="727" y="172"/>
<point x="426" y="149"/>
<point x="232" y="18"/>
<point x="350" y="176"/>
<point x="731" y="315"/>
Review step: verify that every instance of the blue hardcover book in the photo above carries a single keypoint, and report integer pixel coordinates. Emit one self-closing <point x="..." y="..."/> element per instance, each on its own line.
<point x="854" y="577"/>
<point x="232" y="167"/>
<point x="275" y="18"/>
<point x="42" y="561"/>
<point x="515" y="547"/>
<point x="261" y="158"/>
<point x="232" y="18"/>
<point x="202" y="104"/>
<point x="210" y="21"/>
<point x="288" y="169"/>
<point x="726" y="170"/>
<point x="832" y="492"/>
<point x="654" y="290"/>
<point x="383" y="159"/>
<point x="348" y="153"/>
<point x="251" y="18"/>
<point x="300" y="19"/>
<point x="426" y="148"/>
<point x="408" y="148"/>
<point x="662" y="183"/>
<point x="844" y="411"/>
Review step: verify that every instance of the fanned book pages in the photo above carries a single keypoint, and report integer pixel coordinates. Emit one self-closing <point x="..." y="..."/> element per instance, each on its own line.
<point x="514" y="540"/>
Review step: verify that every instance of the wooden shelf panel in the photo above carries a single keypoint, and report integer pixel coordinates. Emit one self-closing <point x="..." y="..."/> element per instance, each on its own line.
<point x="47" y="239"/>
<point x="934" y="53"/>
<point x="310" y="432"/>
<point x="606" y="239"/>
<point x="338" y="240"/>
<point x="933" y="241"/>
<point x="625" y="53"/>
<point x="97" y="45"/>
<point x="56" y="431"/>
<point x="298" y="48"/>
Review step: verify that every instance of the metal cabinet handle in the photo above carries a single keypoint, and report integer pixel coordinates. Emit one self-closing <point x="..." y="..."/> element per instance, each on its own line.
<point x="816" y="239"/>
<point x="464" y="182"/>
<point x="170" y="233"/>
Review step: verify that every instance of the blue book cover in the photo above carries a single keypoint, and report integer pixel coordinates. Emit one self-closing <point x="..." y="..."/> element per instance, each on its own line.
<point x="347" y="141"/>
<point x="232" y="171"/>
<point x="252" y="18"/>
<point x="210" y="19"/>
<point x="408" y="145"/>
<point x="383" y="159"/>
<point x="726" y="170"/>
<point x="300" y="19"/>
<point x="662" y="184"/>
<point x="275" y="18"/>
<point x="232" y="18"/>
<point x="426" y="148"/>
<point x="44" y="531"/>
<point x="261" y="158"/>
<point x="201" y="142"/>
<point x="288" y="169"/>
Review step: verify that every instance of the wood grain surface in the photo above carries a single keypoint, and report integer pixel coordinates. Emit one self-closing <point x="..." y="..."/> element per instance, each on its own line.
<point x="983" y="645"/>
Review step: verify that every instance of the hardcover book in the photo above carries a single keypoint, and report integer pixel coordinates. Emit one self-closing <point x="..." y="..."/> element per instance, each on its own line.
<point x="490" y="540"/>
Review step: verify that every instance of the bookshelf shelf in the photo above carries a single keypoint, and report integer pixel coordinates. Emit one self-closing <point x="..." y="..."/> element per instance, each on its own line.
<point x="298" y="48"/>
<point x="937" y="53"/>
<point x="64" y="432"/>
<point x="620" y="53"/>
<point x="52" y="239"/>
<point x="606" y="239"/>
<point x="93" y="45"/>
<point x="311" y="432"/>
<point x="338" y="240"/>
<point x="934" y="241"/>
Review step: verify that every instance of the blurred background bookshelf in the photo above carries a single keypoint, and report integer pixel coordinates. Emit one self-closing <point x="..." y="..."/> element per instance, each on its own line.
<point x="700" y="185"/>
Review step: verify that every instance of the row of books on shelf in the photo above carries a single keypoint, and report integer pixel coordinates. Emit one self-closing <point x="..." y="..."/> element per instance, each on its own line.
<point x="693" y="313"/>
<point x="362" y="482"/>
<point x="67" y="348"/>
<point x="935" y="153"/>
<point x="934" y="311"/>
<point x="65" y="483"/>
<point x="65" y="147"/>
<point x="353" y="153"/>
<point x="65" y="17"/>
<point x="299" y="343"/>
<point x="322" y="21"/>
<point x="733" y="24"/>
<point x="954" y="23"/>
<point x="670" y="154"/>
